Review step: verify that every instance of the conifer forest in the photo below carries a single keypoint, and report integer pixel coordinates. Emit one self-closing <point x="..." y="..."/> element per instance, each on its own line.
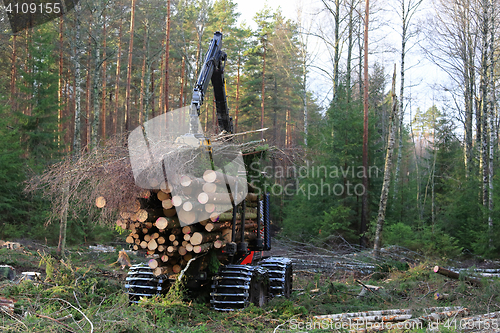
<point x="353" y="159"/>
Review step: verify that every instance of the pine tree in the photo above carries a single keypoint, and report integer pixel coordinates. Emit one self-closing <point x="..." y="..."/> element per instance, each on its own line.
<point x="12" y="173"/>
<point x="39" y="129"/>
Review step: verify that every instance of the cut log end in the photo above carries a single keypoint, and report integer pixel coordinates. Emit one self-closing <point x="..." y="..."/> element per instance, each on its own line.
<point x="100" y="202"/>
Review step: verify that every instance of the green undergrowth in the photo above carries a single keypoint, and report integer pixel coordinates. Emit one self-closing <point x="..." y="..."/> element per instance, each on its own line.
<point x="82" y="291"/>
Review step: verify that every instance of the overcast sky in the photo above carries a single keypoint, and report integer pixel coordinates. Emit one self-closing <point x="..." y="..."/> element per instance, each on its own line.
<point x="421" y="74"/>
<point x="248" y="9"/>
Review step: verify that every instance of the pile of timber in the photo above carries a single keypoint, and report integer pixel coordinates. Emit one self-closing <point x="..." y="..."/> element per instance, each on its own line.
<point x="7" y="305"/>
<point x="155" y="220"/>
<point x="10" y="245"/>
<point x="484" y="322"/>
<point x="481" y="272"/>
<point x="395" y="319"/>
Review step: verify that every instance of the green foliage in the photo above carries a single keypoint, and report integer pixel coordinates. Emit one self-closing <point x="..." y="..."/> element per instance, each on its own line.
<point x="213" y="263"/>
<point x="426" y="240"/>
<point x="11" y="173"/>
<point x="58" y="271"/>
<point x="29" y="141"/>
<point x="40" y="82"/>
<point x="334" y="223"/>
<point x="327" y="201"/>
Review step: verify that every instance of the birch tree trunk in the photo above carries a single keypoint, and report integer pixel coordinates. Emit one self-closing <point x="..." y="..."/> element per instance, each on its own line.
<point x="469" y="78"/>
<point x="406" y="14"/>
<point x="183" y="81"/>
<point x="492" y="104"/>
<point x="337" y="46"/>
<point x="303" y="57"/>
<point x="484" y="100"/>
<point x="387" y="172"/>
<point x="304" y="91"/>
<point x="350" y="45"/>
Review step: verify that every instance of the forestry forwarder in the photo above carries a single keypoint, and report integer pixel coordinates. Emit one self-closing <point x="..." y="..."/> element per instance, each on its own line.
<point x="245" y="276"/>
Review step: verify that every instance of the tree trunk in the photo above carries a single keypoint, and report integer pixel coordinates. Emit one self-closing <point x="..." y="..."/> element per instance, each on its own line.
<point x="360" y="49"/>
<point x="401" y="97"/>
<point x="160" y="83"/>
<point x="129" y="68"/>
<point x="87" y="92"/>
<point x="471" y="75"/>
<point x="469" y="78"/>
<point x="153" y="114"/>
<point x="275" y="117"/>
<point x="96" y="119"/>
<point x="336" y="54"/>
<point x="350" y="45"/>
<point x="263" y="89"/>
<point x="104" y="80"/>
<point x="148" y="94"/>
<point x="77" y="140"/>
<point x="61" y="247"/>
<point x="364" y="213"/>
<point x="484" y="102"/>
<point x="117" y="80"/>
<point x="143" y="74"/>
<point x="13" y="70"/>
<point x="287" y="129"/>
<point x="237" y="93"/>
<point x="387" y="171"/>
<point x="59" y="85"/>
<point x="28" y="96"/>
<point x="492" y="104"/>
<point x="167" y="59"/>
<point x="303" y="53"/>
<point x="183" y="79"/>
<point x="468" y="119"/>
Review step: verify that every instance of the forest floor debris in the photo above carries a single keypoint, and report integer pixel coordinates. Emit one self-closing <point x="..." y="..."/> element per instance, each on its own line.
<point x="93" y="295"/>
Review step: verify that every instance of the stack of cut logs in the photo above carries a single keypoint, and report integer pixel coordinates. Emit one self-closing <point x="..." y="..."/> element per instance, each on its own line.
<point x="203" y="206"/>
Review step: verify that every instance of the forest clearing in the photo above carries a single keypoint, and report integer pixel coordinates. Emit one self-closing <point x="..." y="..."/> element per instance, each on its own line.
<point x="83" y="293"/>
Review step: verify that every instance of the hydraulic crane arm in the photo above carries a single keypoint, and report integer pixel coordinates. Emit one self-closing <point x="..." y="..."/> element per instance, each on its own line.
<point x="212" y="69"/>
